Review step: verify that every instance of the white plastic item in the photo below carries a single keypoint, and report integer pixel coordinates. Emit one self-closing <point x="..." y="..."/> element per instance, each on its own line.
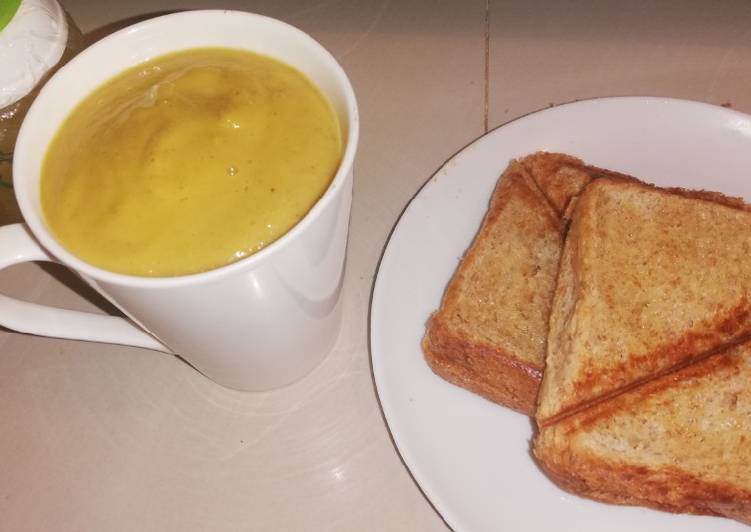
<point x="31" y="44"/>
<point x="36" y="39"/>
<point x="256" y="324"/>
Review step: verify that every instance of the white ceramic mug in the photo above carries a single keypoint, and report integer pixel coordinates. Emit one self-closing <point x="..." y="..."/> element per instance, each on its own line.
<point x="256" y="324"/>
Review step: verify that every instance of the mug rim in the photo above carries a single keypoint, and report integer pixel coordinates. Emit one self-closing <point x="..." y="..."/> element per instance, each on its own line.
<point x="34" y="219"/>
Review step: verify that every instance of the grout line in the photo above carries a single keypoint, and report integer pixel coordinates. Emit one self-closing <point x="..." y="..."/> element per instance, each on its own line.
<point x="486" y="84"/>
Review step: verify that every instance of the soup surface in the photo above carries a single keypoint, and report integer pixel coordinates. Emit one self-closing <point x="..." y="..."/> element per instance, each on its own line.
<point x="189" y="162"/>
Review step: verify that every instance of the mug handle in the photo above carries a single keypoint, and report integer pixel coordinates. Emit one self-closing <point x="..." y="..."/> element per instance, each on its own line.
<point x="17" y="246"/>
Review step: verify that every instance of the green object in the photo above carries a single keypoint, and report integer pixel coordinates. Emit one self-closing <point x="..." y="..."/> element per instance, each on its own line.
<point x="8" y="8"/>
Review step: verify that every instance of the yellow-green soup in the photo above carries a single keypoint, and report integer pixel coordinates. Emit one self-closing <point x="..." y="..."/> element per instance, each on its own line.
<point x="188" y="162"/>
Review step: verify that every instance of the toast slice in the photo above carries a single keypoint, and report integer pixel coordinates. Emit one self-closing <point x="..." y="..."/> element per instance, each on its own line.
<point x="679" y="443"/>
<point x="489" y="334"/>
<point x="650" y="280"/>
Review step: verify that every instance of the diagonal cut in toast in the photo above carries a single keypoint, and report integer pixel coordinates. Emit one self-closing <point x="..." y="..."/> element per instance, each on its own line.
<point x="646" y="397"/>
<point x="680" y="442"/>
<point x="650" y="280"/>
<point x="489" y="334"/>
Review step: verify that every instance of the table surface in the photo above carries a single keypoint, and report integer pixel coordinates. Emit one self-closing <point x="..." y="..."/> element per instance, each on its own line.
<point x="100" y="437"/>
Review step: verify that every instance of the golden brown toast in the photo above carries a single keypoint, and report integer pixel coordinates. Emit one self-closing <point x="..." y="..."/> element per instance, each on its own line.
<point x="646" y="397"/>
<point x="490" y="332"/>
<point x="650" y="280"/>
<point x="681" y="442"/>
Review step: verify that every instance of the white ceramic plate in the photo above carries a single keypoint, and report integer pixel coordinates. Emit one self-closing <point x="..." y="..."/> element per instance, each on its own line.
<point x="471" y="457"/>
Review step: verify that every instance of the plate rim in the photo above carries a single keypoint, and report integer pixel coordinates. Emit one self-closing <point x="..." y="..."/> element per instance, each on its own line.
<point x="435" y="499"/>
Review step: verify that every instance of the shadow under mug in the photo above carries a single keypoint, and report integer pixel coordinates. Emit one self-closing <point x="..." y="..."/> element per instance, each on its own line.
<point x="256" y="324"/>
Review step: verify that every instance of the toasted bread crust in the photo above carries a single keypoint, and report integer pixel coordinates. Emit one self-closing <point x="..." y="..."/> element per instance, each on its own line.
<point x="505" y="365"/>
<point x="588" y="446"/>
<point x="483" y="369"/>
<point x="560" y="177"/>
<point x="667" y="489"/>
<point x="727" y="361"/>
<point x="457" y="345"/>
<point x="659" y="439"/>
<point x="572" y="331"/>
<point x="573" y="454"/>
<point x="600" y="444"/>
<point x="604" y="400"/>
